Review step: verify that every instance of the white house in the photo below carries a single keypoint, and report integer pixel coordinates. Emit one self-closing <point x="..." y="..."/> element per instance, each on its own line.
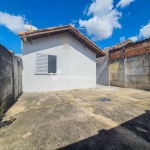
<point x="58" y="58"/>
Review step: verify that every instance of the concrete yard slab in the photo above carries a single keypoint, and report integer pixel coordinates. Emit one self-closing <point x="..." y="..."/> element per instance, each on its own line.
<point x="104" y="118"/>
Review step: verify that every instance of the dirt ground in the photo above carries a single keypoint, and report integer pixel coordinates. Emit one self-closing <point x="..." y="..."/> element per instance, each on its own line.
<point x="104" y="118"/>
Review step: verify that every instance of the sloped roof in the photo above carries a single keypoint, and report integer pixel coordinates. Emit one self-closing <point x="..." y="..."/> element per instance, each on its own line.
<point x="130" y="44"/>
<point x="119" y="45"/>
<point x="36" y="34"/>
<point x="113" y="48"/>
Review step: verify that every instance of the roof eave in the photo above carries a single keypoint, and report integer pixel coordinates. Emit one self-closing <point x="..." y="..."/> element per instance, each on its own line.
<point x="70" y="29"/>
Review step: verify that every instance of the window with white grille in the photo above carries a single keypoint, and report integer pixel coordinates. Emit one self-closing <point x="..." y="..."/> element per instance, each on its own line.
<point x="45" y="63"/>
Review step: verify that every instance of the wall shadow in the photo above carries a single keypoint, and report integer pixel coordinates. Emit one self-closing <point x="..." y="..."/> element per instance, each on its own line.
<point x="131" y="135"/>
<point x="53" y="42"/>
<point x="11" y="119"/>
<point x="7" y="122"/>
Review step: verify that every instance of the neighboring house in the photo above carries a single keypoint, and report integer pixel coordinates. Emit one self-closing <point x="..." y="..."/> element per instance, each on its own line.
<point x="129" y="66"/>
<point x="102" y="69"/>
<point x="58" y="58"/>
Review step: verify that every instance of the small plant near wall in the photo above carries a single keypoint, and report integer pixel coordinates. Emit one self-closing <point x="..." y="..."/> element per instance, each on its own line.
<point x="2" y="109"/>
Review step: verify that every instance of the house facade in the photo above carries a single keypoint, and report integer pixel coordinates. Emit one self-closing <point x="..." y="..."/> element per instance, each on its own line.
<point x="59" y="58"/>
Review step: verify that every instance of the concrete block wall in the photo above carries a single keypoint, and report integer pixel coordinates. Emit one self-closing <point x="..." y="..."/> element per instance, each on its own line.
<point x="102" y="75"/>
<point x="116" y="73"/>
<point x="134" y="60"/>
<point x="6" y="77"/>
<point x="9" y="78"/>
<point x="17" y="77"/>
<point x="102" y="65"/>
<point x="138" y="72"/>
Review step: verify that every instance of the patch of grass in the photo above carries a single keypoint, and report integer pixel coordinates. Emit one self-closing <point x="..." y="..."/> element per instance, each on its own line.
<point x="53" y="105"/>
<point x="92" y="106"/>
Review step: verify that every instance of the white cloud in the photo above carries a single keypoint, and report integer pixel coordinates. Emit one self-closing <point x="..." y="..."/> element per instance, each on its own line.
<point x="72" y="24"/>
<point x="85" y="10"/>
<point x="103" y="21"/>
<point x="134" y="38"/>
<point x="124" y="3"/>
<point x="145" y="31"/>
<point x="128" y="14"/>
<point x="74" y="21"/>
<point x="122" y="39"/>
<point x="100" y="8"/>
<point x="13" y="23"/>
<point x="106" y="47"/>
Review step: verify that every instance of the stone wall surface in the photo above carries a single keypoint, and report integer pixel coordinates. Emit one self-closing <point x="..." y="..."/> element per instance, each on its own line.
<point x="117" y="73"/>
<point x="138" y="72"/>
<point x="102" y="77"/>
<point x="130" y="66"/>
<point x="8" y="78"/>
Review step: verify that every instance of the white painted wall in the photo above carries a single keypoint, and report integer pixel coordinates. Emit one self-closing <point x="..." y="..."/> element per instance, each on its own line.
<point x="76" y="61"/>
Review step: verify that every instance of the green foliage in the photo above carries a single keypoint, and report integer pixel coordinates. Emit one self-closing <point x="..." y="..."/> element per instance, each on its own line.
<point x="2" y="108"/>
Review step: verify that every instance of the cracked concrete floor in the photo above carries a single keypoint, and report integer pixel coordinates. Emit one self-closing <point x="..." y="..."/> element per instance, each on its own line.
<point x="105" y="118"/>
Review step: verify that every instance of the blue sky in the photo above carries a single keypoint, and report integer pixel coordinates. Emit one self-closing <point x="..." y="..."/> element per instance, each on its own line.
<point x="107" y="22"/>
